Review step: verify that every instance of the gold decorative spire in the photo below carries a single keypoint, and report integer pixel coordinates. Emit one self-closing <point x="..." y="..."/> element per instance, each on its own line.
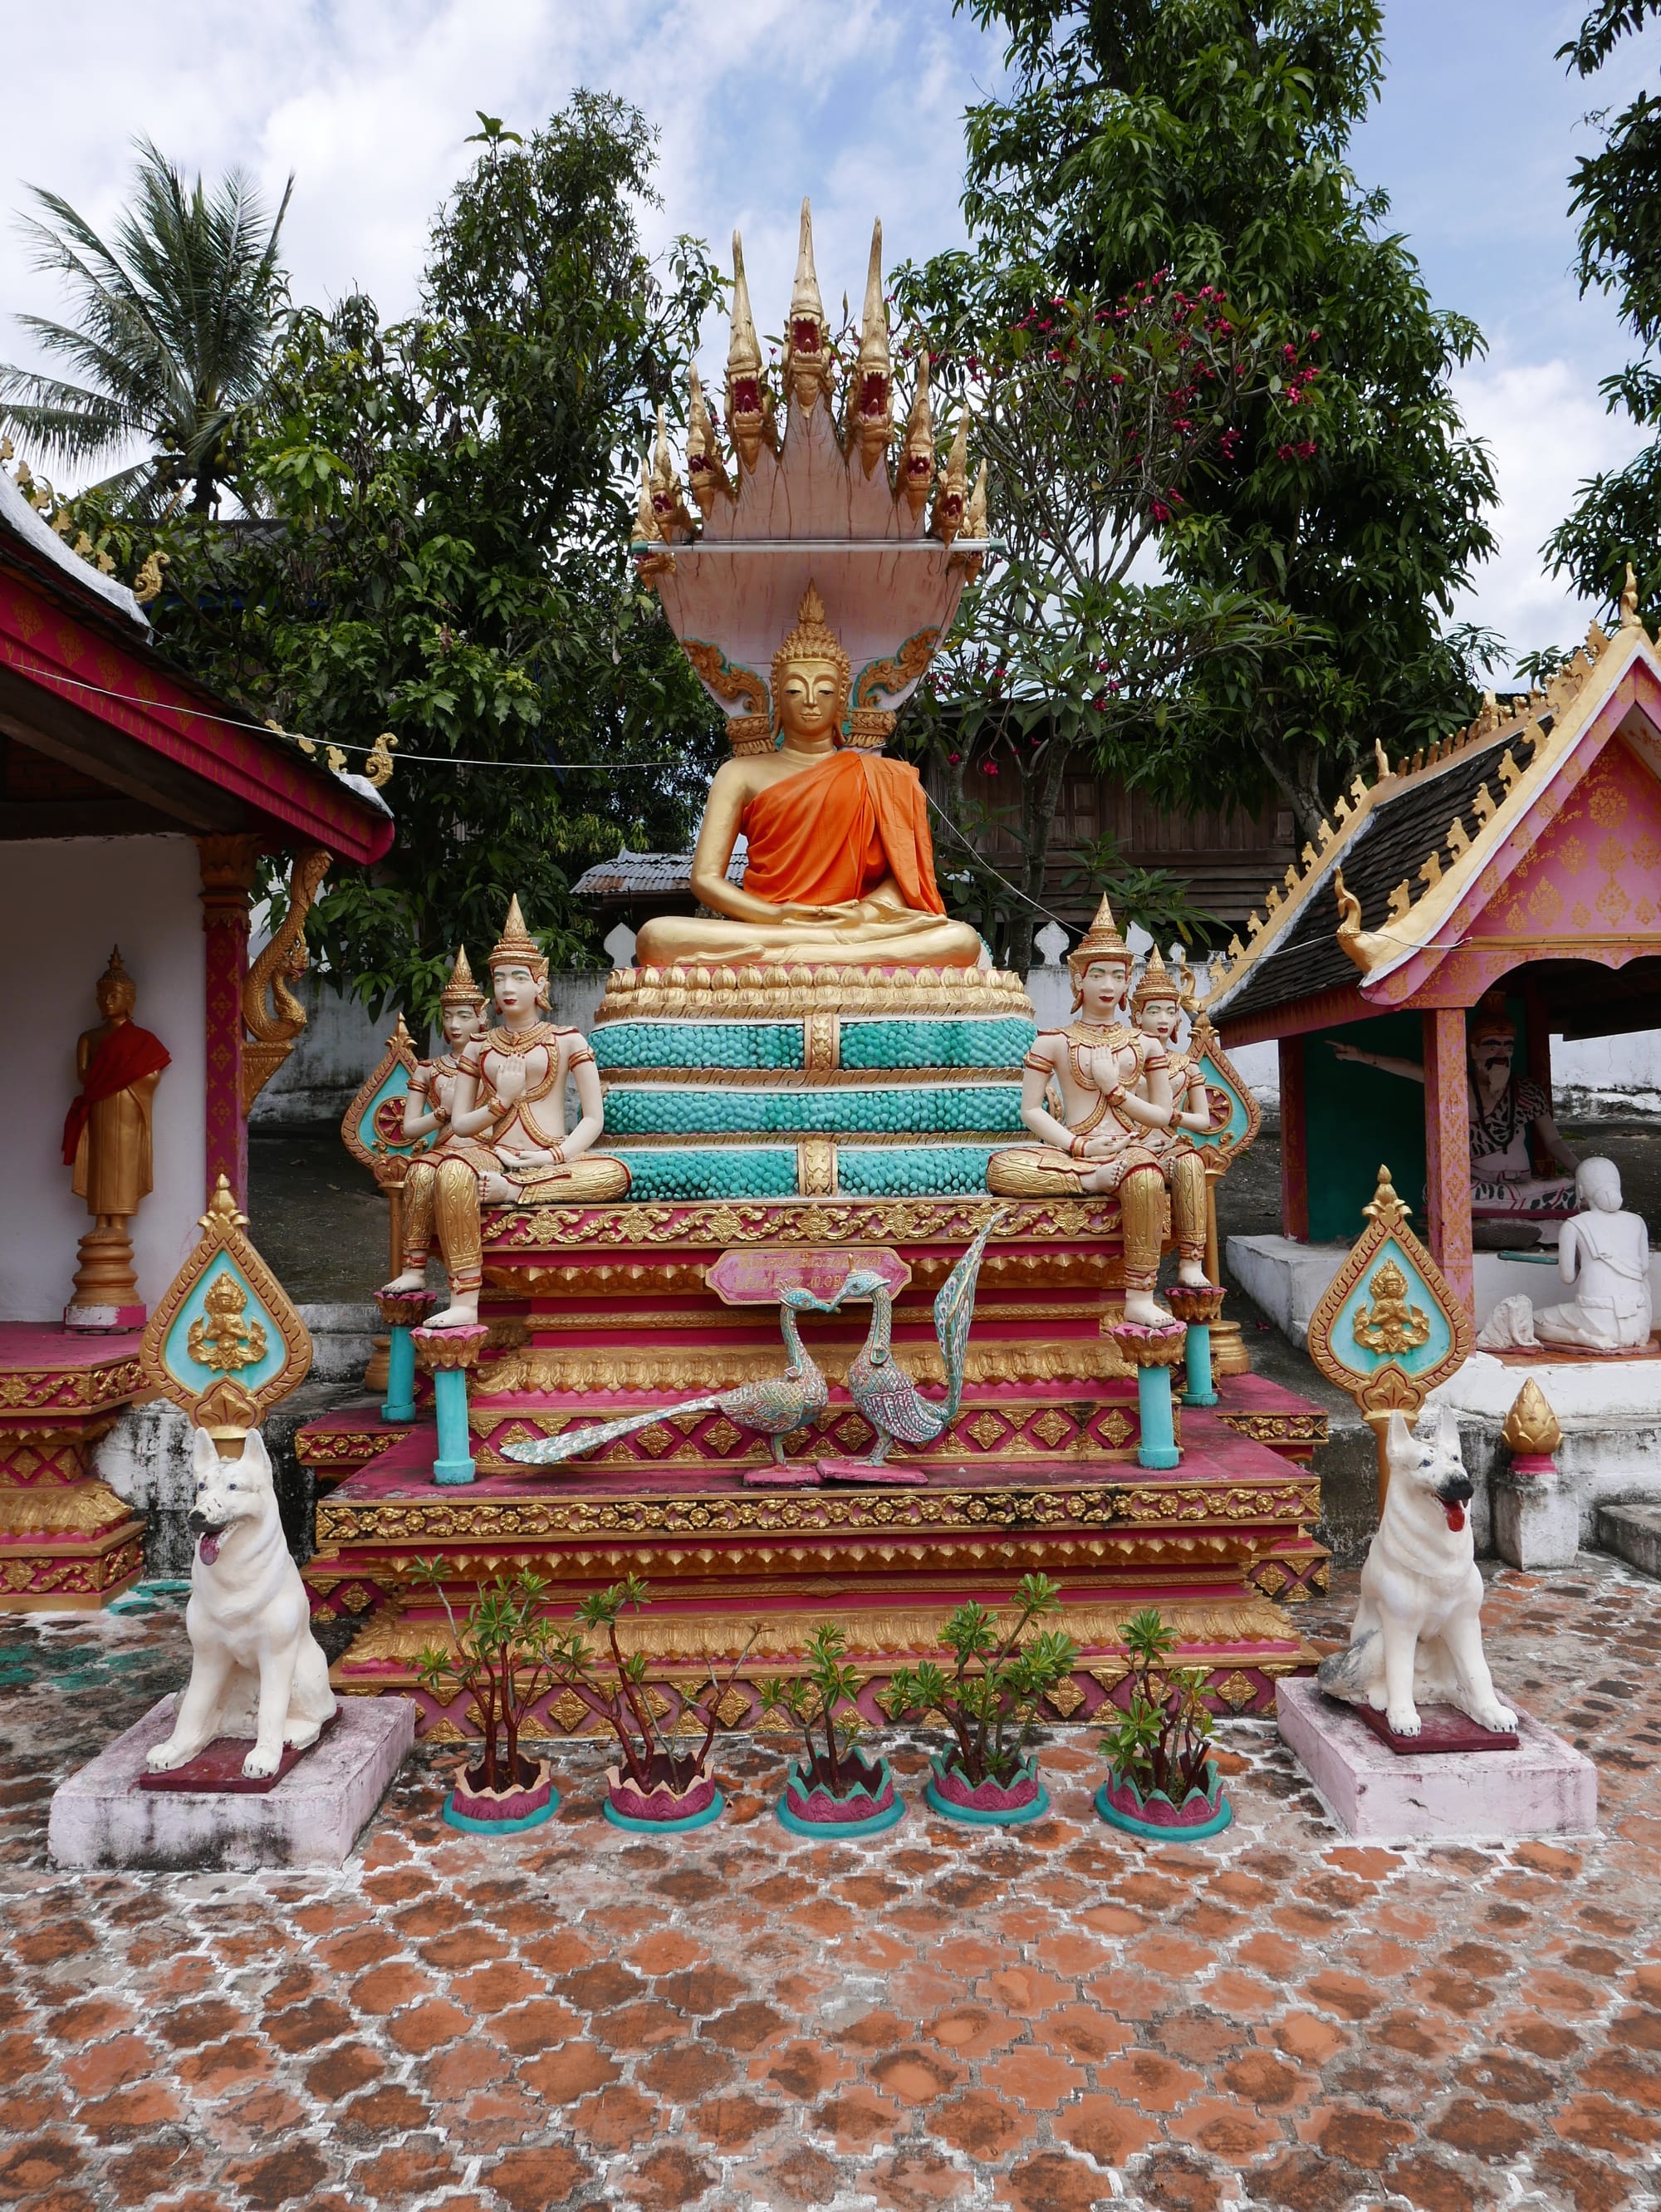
<point x="666" y="501"/>
<point x="516" y="947"/>
<point x="974" y="515"/>
<point x="646" y="532"/>
<point x="461" y="990"/>
<point x="747" y="403"/>
<point x="1629" y="601"/>
<point x="706" y="470"/>
<point x="1386" y="1209"/>
<point x="917" y="463"/>
<point x="1531" y="1428"/>
<point x="872" y="404"/>
<point x="1100" y="941"/>
<point x="948" y="517"/>
<point x="807" y="363"/>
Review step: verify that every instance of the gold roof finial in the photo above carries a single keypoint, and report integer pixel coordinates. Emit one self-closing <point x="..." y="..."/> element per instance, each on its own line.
<point x="917" y="463"/>
<point x="667" y="502"/>
<point x="1531" y="1428"/>
<point x="706" y="470"/>
<point x="806" y="364"/>
<point x="1100" y="941"/>
<point x="461" y="990"/>
<point x="871" y="404"/>
<point x="974" y="515"/>
<point x="646" y="532"/>
<point x="1386" y="1207"/>
<point x="948" y="500"/>
<point x="1629" y="601"/>
<point x="748" y="405"/>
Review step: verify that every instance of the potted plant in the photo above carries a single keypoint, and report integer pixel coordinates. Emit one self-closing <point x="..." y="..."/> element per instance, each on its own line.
<point x="1161" y="1778"/>
<point x="503" y="1657"/>
<point x="654" y="1788"/>
<point x="833" y="1790"/>
<point x="988" y="1773"/>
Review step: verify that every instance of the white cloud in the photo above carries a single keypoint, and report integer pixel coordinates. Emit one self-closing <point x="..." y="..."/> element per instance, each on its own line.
<point x="1546" y="424"/>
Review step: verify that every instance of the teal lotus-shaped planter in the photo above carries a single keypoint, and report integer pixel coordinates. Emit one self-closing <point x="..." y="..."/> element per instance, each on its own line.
<point x="866" y="1807"/>
<point x="986" y="1804"/>
<point x="504" y="1812"/>
<point x="667" y="1808"/>
<point x="1205" y="1811"/>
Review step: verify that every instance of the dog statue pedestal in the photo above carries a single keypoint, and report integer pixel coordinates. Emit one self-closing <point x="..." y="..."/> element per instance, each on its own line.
<point x="311" y="1816"/>
<point x="1543" y="1788"/>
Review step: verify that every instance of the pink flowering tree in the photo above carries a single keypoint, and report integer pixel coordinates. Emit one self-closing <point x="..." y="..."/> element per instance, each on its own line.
<point x="1076" y="649"/>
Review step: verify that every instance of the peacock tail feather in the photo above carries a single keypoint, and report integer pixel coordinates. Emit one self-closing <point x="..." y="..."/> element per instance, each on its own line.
<point x="954" y="1311"/>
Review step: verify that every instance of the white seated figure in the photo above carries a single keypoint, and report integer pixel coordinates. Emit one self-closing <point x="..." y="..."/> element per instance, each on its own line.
<point x="1605" y="1253"/>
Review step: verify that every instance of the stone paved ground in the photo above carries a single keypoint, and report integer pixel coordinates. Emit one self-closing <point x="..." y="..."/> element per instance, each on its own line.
<point x="1047" y="2021"/>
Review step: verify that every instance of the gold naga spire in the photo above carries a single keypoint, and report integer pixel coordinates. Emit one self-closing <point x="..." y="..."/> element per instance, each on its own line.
<point x="646" y="532"/>
<point x="974" y="515"/>
<point x="706" y="470"/>
<point x="806" y="357"/>
<point x="917" y="462"/>
<point x="748" y="405"/>
<point x="667" y="503"/>
<point x="948" y="500"/>
<point x="1629" y="601"/>
<point x="461" y="990"/>
<point x="870" y="406"/>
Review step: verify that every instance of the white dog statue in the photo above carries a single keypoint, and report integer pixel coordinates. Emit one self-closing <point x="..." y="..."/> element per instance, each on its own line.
<point x="256" y="1669"/>
<point x="1418" y="1631"/>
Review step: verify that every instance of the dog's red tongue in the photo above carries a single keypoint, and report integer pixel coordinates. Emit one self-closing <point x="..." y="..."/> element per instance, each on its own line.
<point x="210" y="1548"/>
<point x="1455" y="1518"/>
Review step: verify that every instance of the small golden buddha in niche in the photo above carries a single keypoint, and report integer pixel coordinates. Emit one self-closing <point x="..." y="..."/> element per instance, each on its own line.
<point x="841" y="864"/>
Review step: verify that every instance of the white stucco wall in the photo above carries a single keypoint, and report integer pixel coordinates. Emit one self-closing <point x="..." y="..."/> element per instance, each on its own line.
<point x="63" y="902"/>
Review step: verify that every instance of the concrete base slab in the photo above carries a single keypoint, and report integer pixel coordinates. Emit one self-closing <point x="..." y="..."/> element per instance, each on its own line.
<point x="1535" y="1521"/>
<point x="1543" y="1788"/>
<point x="1633" y="1533"/>
<point x="101" y="1818"/>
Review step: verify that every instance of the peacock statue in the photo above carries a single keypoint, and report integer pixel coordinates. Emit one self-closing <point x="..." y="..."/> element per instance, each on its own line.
<point x="773" y="1407"/>
<point x="883" y="1392"/>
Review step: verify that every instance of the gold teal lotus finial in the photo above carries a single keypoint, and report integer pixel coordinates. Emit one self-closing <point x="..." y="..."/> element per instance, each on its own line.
<point x="950" y="498"/>
<point x="748" y="405"/>
<point x="917" y="463"/>
<point x="806" y="357"/>
<point x="870" y="404"/>
<point x="706" y="470"/>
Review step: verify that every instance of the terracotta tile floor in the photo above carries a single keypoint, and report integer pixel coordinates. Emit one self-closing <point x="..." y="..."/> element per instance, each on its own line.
<point x="1048" y="2021"/>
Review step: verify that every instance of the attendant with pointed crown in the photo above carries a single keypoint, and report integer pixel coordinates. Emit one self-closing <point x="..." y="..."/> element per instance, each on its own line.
<point x="430" y="1097"/>
<point x="506" y="1143"/>
<point x="1156" y="1007"/>
<point x="1112" y="1136"/>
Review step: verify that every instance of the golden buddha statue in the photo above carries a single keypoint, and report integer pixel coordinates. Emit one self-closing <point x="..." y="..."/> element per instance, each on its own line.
<point x="841" y="863"/>
<point x="507" y="1142"/>
<point x="106" y="1143"/>
<point x="1118" y="1113"/>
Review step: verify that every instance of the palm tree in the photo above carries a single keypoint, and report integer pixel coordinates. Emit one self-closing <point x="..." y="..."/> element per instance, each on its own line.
<point x="174" y="324"/>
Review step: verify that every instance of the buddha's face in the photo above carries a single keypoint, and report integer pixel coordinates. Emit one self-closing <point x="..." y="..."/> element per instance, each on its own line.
<point x="1101" y="989"/>
<point x="516" y="993"/>
<point x="1158" y="1018"/>
<point x="809" y="711"/>
<point x="116" y="998"/>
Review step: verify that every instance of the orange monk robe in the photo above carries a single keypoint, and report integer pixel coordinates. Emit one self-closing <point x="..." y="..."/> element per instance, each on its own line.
<point x="832" y="834"/>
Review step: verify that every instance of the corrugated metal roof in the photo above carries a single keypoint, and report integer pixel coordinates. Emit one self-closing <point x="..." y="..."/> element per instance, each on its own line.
<point x="631" y="875"/>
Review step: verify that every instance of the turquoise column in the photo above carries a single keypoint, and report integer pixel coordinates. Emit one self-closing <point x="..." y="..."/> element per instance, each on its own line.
<point x="448" y="1354"/>
<point x="403" y="1312"/>
<point x="1197" y="1352"/>
<point x="1158" y="1448"/>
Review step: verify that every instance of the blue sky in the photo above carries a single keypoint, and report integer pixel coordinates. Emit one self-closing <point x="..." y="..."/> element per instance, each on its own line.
<point x="858" y="102"/>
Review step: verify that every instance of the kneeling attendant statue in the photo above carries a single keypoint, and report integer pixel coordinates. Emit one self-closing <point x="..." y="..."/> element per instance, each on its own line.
<point x="507" y="1142"/>
<point x="1119" y="1125"/>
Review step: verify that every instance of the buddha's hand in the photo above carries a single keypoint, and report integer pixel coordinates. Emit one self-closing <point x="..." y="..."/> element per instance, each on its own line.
<point x="1102" y="1147"/>
<point x="820" y="914"/>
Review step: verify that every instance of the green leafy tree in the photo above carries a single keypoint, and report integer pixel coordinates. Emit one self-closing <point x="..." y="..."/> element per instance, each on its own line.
<point x="998" y="1678"/>
<point x="174" y="320"/>
<point x="443" y="554"/>
<point x="1616" y="193"/>
<point x="1209" y="139"/>
<point x="1096" y="420"/>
